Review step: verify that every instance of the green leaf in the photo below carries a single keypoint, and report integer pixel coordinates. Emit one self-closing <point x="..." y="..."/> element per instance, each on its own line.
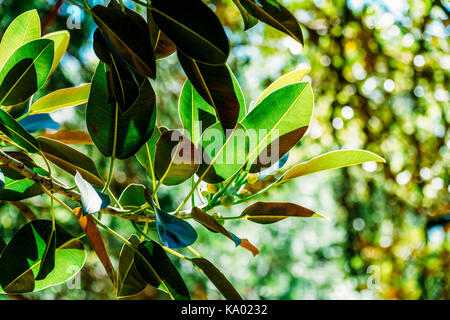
<point x="111" y="130"/>
<point x="284" y="110"/>
<point x="249" y="21"/>
<point x="197" y="115"/>
<point x="161" y="44"/>
<point x="194" y="28"/>
<point x="231" y="156"/>
<point x="24" y="28"/>
<point x="217" y="278"/>
<point x="271" y="212"/>
<point x="70" y="160"/>
<point x="129" y="281"/>
<point x="129" y="35"/>
<point x="133" y="197"/>
<point x="25" y="71"/>
<point x="13" y="130"/>
<point x="48" y="258"/>
<point x="17" y="187"/>
<point x="288" y="78"/>
<point x="330" y="160"/>
<point x="146" y="155"/>
<point x="61" y="40"/>
<point x="214" y="83"/>
<point x="156" y="268"/>
<point x="62" y="98"/>
<point x="2" y="245"/>
<point x="276" y="15"/>
<point x="22" y="257"/>
<point x="176" y="158"/>
<point x="18" y="110"/>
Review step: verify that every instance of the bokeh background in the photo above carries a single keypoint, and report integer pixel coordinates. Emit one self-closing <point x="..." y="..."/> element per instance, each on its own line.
<point x="380" y="75"/>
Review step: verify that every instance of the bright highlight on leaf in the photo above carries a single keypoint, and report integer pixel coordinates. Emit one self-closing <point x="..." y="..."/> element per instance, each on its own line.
<point x="91" y="199"/>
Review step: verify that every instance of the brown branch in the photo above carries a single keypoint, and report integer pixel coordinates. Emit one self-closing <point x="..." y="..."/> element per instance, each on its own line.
<point x="24" y="209"/>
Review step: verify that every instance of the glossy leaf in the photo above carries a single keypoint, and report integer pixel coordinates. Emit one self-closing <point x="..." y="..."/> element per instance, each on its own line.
<point x="133" y="197"/>
<point x="146" y="155"/>
<point x="24" y="28"/>
<point x="271" y="212"/>
<point x="25" y="71"/>
<point x="61" y="41"/>
<point x="173" y="232"/>
<point x="129" y="35"/>
<point x="17" y="187"/>
<point x="13" y="130"/>
<point x="70" y="160"/>
<point x="157" y="269"/>
<point x="276" y="15"/>
<point x="230" y="157"/>
<point x="18" y="110"/>
<point x="289" y="78"/>
<point x="277" y="149"/>
<point x="249" y="21"/>
<point x="95" y="238"/>
<point x="129" y="281"/>
<point x="215" y="85"/>
<point x="176" y="158"/>
<point x="37" y="122"/>
<point x="199" y="34"/>
<point x="22" y="257"/>
<point x="212" y="224"/>
<point x="197" y="115"/>
<point x="62" y="98"/>
<point x="161" y="44"/>
<point x="92" y="200"/>
<point x="330" y="160"/>
<point x="48" y="258"/>
<point x="104" y="120"/>
<point x="70" y="137"/>
<point x="217" y="278"/>
<point x="284" y="110"/>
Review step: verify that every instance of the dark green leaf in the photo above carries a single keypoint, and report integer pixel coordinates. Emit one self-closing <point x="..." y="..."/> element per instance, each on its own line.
<point x="129" y="35"/>
<point x="146" y="155"/>
<point x="215" y="85"/>
<point x="217" y="278"/>
<point x="22" y="257"/>
<point x="249" y="21"/>
<point x="70" y="160"/>
<point x="25" y="71"/>
<point x="194" y="28"/>
<point x="129" y="281"/>
<point x="162" y="46"/>
<point x="13" y="130"/>
<point x="275" y="15"/>
<point x="176" y="158"/>
<point x="105" y="121"/>
<point x="48" y="258"/>
<point x="156" y="268"/>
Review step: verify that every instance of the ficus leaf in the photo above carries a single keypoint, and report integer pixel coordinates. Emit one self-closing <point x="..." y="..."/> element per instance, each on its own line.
<point x="214" y="83"/>
<point x="111" y="130"/>
<point x="129" y="281"/>
<point x="217" y="278"/>
<point x="25" y="71"/>
<point x="146" y="155"/>
<point x="39" y="121"/>
<point x="276" y="15"/>
<point x="199" y="34"/>
<point x="48" y="258"/>
<point x="62" y="98"/>
<point x="13" y="130"/>
<point x="92" y="200"/>
<point x="22" y="29"/>
<point x="61" y="40"/>
<point x="274" y="168"/>
<point x="129" y="34"/>
<point x="22" y="258"/>
<point x="271" y="212"/>
<point x="70" y="160"/>
<point x="330" y="160"/>
<point x="70" y="137"/>
<point x="176" y="158"/>
<point x="161" y="44"/>
<point x="95" y="238"/>
<point x="249" y="21"/>
<point x="156" y="268"/>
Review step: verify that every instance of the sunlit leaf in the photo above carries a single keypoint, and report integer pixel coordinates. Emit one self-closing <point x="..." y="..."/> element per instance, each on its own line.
<point x="271" y="212"/>
<point x="70" y="137"/>
<point x="61" y="40"/>
<point x="146" y="155"/>
<point x="92" y="200"/>
<point x="13" y="130"/>
<point x="48" y="258"/>
<point x="24" y="28"/>
<point x="330" y="160"/>
<point x="62" y="98"/>
<point x="25" y="71"/>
